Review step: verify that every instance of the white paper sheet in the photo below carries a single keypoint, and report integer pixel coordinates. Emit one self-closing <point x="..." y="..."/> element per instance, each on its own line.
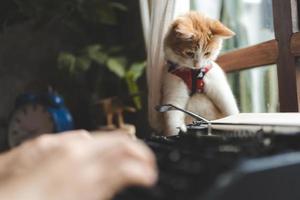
<point x="268" y="122"/>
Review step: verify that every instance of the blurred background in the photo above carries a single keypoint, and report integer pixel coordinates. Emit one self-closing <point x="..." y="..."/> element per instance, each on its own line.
<point x="86" y="50"/>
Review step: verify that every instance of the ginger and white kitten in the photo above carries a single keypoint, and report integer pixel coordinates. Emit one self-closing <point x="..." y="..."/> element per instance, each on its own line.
<point x="194" y="41"/>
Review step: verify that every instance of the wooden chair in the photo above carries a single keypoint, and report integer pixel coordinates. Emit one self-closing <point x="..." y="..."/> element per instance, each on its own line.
<point x="283" y="51"/>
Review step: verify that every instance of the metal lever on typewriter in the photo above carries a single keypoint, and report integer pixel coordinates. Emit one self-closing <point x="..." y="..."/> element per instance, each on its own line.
<point x="168" y="107"/>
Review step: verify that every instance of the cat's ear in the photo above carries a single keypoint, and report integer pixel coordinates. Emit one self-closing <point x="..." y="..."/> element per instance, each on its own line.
<point x="218" y="29"/>
<point x="182" y="30"/>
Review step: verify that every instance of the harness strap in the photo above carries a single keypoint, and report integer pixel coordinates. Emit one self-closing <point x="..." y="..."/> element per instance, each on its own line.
<point x="193" y="78"/>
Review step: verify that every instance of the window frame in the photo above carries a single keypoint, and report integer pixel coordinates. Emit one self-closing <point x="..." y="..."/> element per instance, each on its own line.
<point x="282" y="51"/>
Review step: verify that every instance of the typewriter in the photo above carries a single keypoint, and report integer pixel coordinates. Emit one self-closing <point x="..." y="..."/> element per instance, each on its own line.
<point x="228" y="159"/>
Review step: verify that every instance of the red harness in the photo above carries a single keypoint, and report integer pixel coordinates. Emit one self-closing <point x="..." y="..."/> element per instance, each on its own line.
<point x="193" y="78"/>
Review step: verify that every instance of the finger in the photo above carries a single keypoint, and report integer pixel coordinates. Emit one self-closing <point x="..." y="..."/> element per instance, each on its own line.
<point x="120" y="145"/>
<point x="133" y="172"/>
<point x="97" y="134"/>
<point x="124" y="174"/>
<point x="61" y="137"/>
<point x="139" y="173"/>
<point x="139" y="150"/>
<point x="47" y="142"/>
<point x="75" y="135"/>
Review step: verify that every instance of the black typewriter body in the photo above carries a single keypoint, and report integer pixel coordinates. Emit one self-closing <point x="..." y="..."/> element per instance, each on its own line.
<point x="234" y="164"/>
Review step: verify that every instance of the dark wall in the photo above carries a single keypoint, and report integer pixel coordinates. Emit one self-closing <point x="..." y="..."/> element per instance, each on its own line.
<point x="28" y="54"/>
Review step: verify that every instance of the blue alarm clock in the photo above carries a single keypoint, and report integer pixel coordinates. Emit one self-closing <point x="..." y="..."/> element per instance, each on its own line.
<point x="36" y="114"/>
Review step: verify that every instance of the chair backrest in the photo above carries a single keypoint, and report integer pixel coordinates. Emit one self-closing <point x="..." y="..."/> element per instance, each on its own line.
<point x="283" y="51"/>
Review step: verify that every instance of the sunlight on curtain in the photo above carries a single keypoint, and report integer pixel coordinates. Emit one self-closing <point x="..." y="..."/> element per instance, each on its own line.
<point x="162" y="13"/>
<point x="256" y="90"/>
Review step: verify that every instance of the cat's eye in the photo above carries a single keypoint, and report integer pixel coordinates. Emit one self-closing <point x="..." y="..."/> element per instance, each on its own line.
<point x="207" y="54"/>
<point x="190" y="54"/>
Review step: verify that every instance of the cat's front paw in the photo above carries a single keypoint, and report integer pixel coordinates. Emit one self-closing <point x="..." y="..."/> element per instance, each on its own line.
<point x="183" y="128"/>
<point x="175" y="129"/>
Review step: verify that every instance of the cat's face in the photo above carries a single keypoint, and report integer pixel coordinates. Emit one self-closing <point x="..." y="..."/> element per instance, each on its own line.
<point x="194" y="40"/>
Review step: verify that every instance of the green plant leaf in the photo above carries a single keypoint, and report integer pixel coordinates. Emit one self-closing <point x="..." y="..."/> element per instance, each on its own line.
<point x="117" y="66"/>
<point x="93" y="48"/>
<point x="94" y="53"/>
<point x="133" y="89"/>
<point x="66" y="61"/>
<point x="118" y="6"/>
<point x="114" y="49"/>
<point x="136" y="69"/>
<point x="99" y="57"/>
<point x="83" y="63"/>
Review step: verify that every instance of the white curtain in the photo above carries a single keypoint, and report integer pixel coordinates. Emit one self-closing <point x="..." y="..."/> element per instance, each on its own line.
<point x="162" y="13"/>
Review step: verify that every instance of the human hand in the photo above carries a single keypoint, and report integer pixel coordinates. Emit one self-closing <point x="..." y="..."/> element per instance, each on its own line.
<point x="75" y="166"/>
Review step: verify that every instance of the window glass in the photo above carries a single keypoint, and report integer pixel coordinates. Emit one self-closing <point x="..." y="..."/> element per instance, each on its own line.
<point x="252" y="20"/>
<point x="256" y="90"/>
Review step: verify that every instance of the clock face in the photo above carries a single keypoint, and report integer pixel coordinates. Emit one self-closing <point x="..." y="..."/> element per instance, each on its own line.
<point x="29" y="121"/>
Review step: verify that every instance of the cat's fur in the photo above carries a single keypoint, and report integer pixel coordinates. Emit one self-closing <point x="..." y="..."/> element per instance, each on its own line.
<point x="194" y="41"/>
